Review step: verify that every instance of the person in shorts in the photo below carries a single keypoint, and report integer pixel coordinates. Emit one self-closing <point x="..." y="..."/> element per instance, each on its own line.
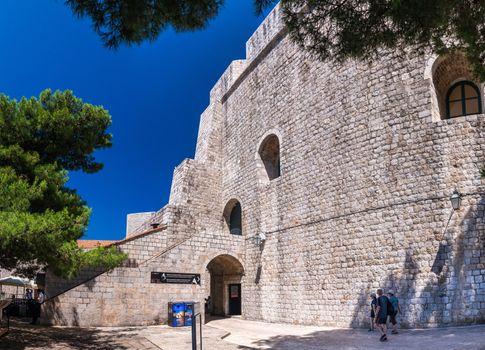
<point x="397" y="309"/>
<point x="373" y="305"/>
<point x="381" y="314"/>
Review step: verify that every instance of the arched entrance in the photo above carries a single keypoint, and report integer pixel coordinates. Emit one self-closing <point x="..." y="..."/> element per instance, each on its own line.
<point x="225" y="285"/>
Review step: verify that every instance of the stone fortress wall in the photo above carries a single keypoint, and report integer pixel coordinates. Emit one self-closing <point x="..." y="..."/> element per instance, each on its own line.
<point x="367" y="166"/>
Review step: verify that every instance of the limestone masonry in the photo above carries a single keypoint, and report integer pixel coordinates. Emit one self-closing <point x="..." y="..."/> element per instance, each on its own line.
<point x="312" y="185"/>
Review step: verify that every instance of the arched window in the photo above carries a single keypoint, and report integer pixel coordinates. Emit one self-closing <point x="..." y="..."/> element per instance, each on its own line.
<point x="463" y="98"/>
<point x="455" y="92"/>
<point x="233" y="217"/>
<point x="269" y="151"/>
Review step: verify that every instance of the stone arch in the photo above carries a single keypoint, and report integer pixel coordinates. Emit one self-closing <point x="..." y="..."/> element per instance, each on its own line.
<point x="443" y="72"/>
<point x="232" y="214"/>
<point x="226" y="273"/>
<point x="268" y="157"/>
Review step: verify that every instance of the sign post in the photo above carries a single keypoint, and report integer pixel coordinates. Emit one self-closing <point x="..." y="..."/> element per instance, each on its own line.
<point x="194" y="326"/>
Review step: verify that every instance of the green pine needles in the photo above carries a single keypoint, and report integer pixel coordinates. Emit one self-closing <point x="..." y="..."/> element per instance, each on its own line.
<point x="329" y="29"/>
<point x="40" y="218"/>
<point x="341" y="29"/>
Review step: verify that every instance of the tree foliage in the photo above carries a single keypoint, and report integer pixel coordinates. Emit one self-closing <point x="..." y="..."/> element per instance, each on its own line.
<point x="330" y="29"/>
<point x="134" y="21"/>
<point x="40" y="218"/>
<point x="342" y="29"/>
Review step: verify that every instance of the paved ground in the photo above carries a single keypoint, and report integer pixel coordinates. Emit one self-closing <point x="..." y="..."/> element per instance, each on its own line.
<point x="23" y="336"/>
<point x="238" y="334"/>
<point x="259" y="335"/>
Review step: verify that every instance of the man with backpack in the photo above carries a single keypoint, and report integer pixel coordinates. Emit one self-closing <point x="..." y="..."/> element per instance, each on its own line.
<point x="383" y="309"/>
<point x="396" y="308"/>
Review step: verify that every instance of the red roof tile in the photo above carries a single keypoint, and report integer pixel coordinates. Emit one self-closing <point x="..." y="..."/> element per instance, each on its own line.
<point x="88" y="244"/>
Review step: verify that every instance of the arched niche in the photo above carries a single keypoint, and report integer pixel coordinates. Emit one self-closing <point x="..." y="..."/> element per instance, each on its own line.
<point x="269" y="153"/>
<point x="233" y="217"/>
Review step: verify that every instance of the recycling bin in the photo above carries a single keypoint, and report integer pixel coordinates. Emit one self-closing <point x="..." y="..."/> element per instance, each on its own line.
<point x="176" y="313"/>
<point x="189" y="311"/>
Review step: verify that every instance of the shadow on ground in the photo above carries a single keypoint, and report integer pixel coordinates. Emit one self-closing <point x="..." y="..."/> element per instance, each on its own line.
<point x="22" y="335"/>
<point x="469" y="338"/>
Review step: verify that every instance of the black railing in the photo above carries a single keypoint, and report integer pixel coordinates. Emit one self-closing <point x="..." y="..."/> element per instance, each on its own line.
<point x="4" y="304"/>
<point x="19" y="308"/>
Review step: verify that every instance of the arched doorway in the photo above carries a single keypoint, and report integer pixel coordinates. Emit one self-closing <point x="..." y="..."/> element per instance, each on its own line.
<point x="225" y="285"/>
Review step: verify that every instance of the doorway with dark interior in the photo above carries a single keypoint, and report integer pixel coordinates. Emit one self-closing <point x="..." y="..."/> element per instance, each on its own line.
<point x="235" y="299"/>
<point x="225" y="286"/>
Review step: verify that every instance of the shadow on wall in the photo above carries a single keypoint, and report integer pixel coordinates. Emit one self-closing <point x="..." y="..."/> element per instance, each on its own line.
<point x="51" y="314"/>
<point x="449" y="290"/>
<point x="57" y="285"/>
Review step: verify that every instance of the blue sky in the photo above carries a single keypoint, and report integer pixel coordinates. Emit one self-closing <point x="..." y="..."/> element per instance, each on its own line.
<point x="154" y="92"/>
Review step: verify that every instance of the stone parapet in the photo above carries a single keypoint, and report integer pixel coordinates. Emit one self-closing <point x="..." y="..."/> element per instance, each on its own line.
<point x="135" y="222"/>
<point x="272" y="25"/>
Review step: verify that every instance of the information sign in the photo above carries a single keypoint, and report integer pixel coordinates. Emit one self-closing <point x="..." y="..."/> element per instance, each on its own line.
<point x="175" y="277"/>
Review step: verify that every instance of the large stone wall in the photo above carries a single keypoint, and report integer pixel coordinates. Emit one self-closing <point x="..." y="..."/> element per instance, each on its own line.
<point x="362" y="201"/>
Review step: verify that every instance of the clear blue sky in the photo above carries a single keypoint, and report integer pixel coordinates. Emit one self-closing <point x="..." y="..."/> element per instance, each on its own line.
<point x="155" y="94"/>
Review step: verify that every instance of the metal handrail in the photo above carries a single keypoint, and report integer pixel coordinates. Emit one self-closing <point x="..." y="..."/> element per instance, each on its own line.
<point x="3" y="305"/>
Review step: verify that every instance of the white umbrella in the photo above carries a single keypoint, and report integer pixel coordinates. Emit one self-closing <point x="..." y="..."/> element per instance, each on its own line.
<point x="17" y="282"/>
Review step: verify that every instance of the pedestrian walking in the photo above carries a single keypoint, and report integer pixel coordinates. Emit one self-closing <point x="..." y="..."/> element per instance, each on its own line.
<point x="381" y="314"/>
<point x="208" y="305"/>
<point x="373" y="305"/>
<point x="396" y="308"/>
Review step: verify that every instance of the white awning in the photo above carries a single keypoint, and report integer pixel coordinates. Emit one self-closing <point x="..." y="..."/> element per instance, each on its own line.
<point x="17" y="282"/>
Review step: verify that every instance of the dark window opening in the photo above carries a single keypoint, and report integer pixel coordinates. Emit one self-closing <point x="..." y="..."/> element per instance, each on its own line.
<point x="463" y="98"/>
<point x="235" y="224"/>
<point x="233" y="217"/>
<point x="270" y="155"/>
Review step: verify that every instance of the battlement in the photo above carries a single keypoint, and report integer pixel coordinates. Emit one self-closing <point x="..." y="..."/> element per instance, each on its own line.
<point x="268" y="30"/>
<point x="258" y="44"/>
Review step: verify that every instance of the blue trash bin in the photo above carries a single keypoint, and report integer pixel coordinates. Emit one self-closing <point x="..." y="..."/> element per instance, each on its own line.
<point x="176" y="313"/>
<point x="189" y="311"/>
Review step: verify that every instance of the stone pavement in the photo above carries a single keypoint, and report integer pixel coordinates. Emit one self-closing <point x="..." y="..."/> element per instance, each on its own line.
<point x="238" y="334"/>
<point x="23" y="336"/>
<point x="259" y="335"/>
<point x="169" y="338"/>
